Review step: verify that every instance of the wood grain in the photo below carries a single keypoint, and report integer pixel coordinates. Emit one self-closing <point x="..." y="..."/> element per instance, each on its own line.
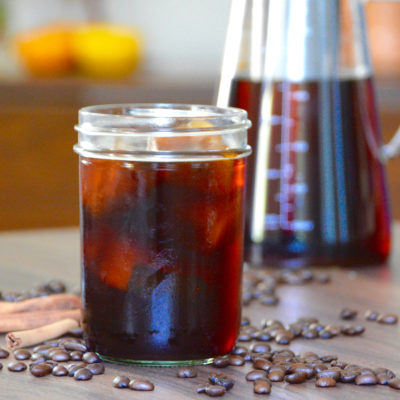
<point x="55" y="254"/>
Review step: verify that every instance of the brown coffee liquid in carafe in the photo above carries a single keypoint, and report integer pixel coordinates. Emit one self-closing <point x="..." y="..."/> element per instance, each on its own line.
<point x="326" y="201"/>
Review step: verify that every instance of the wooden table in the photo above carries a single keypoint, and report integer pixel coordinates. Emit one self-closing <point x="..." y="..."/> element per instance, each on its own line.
<point x="29" y="257"/>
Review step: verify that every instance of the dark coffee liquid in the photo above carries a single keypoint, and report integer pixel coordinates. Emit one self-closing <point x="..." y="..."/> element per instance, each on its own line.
<point x="162" y="257"/>
<point x="326" y="201"/>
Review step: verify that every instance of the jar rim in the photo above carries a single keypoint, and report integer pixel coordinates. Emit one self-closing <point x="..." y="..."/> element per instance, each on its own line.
<point x="165" y="119"/>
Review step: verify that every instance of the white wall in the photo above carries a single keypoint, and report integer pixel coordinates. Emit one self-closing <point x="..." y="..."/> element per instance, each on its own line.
<point x="183" y="37"/>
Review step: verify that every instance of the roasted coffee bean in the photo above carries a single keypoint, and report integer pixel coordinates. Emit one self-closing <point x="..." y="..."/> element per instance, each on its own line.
<point x="371" y="315"/>
<point x="221" y="362"/>
<point x="141" y="385"/>
<point x="16" y="366"/>
<point x="394" y="383"/>
<point x="240" y="351"/>
<point x="260" y="356"/>
<point x="59" y="370"/>
<point x="368" y="379"/>
<point x="389" y="319"/>
<point x="329" y="373"/>
<point x="60" y="355"/>
<point x="295" y="328"/>
<point x="38" y="358"/>
<point x="73" y="368"/>
<point x="222" y="380"/>
<point x="385" y="371"/>
<point x="348" y="376"/>
<point x="40" y="370"/>
<point x="325" y="334"/>
<point x="348" y="313"/>
<point x="186" y="372"/>
<point x="4" y="353"/>
<point x="284" y="337"/>
<point x="325" y="382"/>
<point x="1" y="366"/>
<point x="244" y="337"/>
<point x="212" y="390"/>
<point x="43" y="349"/>
<point x="338" y="363"/>
<point x="121" y="382"/>
<point x="90" y="357"/>
<point x="76" y="355"/>
<point x="262" y="386"/>
<point x="83" y="374"/>
<point x="328" y="358"/>
<point x="74" y="346"/>
<point x="309" y="333"/>
<point x="320" y="367"/>
<point x="268" y="299"/>
<point x="366" y="371"/>
<point x="262" y="364"/>
<point x="22" y="354"/>
<point x="382" y="379"/>
<point x="296" y="377"/>
<point x="12" y="296"/>
<point x="247" y="297"/>
<point x="333" y="329"/>
<point x="263" y="336"/>
<point x="271" y="323"/>
<point x="319" y="327"/>
<point x="256" y="374"/>
<point x="96" y="368"/>
<point x="245" y="321"/>
<point x="276" y="376"/>
<point x="260" y="348"/>
<point x="349" y="330"/>
<point x="236" y="361"/>
<point x="297" y="367"/>
<point x="49" y="353"/>
<point x="55" y="287"/>
<point x="77" y="332"/>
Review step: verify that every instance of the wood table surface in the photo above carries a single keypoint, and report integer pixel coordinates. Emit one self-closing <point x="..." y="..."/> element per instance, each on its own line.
<point x="29" y="257"/>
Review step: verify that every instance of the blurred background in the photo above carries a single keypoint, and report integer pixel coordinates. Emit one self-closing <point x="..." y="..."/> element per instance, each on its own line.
<point x="59" y="55"/>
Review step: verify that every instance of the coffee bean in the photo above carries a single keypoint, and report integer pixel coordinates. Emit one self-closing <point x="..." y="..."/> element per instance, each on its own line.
<point x="186" y="372"/>
<point x="295" y="328"/>
<point x="59" y="370"/>
<point x="371" y="315"/>
<point x="262" y="364"/>
<point x="221" y="362"/>
<point x="43" y="349"/>
<point x="22" y="354"/>
<point x="320" y="367"/>
<point x="284" y="337"/>
<point x="256" y="374"/>
<point x="55" y="287"/>
<point x="296" y="377"/>
<point x="4" y="353"/>
<point x="244" y="337"/>
<point x="382" y="379"/>
<point x="236" y="361"/>
<point x="83" y="374"/>
<point x="38" y="358"/>
<point x="329" y="373"/>
<point x="325" y="382"/>
<point x="90" y="357"/>
<point x="240" y="350"/>
<point x="366" y="371"/>
<point x="276" y="376"/>
<point x="76" y="355"/>
<point x="328" y="358"/>
<point x="245" y="321"/>
<point x="338" y="363"/>
<point x="348" y="376"/>
<point x="262" y="386"/>
<point x="385" y="371"/>
<point x="263" y="336"/>
<point x="74" y="346"/>
<point x="325" y="334"/>
<point x="394" y="383"/>
<point x="212" y="390"/>
<point x="368" y="379"/>
<point x="1" y="366"/>
<point x="333" y="329"/>
<point x="349" y="330"/>
<point x="309" y="333"/>
<point x="60" y="355"/>
<point x="49" y="353"/>
<point x="389" y="319"/>
<point x="260" y="348"/>
<point x="268" y="300"/>
<point x="303" y="368"/>
<point x="96" y="368"/>
<point x="40" y="370"/>
<point x="141" y="385"/>
<point x="76" y="332"/>
<point x="121" y="382"/>
<point x="348" y="313"/>
<point x="73" y="368"/>
<point x="319" y="327"/>
<point x="16" y="366"/>
<point x="222" y="380"/>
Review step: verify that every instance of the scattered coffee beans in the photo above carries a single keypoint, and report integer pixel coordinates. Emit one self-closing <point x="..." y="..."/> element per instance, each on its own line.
<point x="59" y="370"/>
<point x="83" y="374"/>
<point x="389" y="319"/>
<point x="40" y="370"/>
<point x="325" y="382"/>
<point x="221" y="380"/>
<point x="186" y="372"/>
<point x="348" y="313"/>
<point x="90" y="357"/>
<point x="22" y="354"/>
<point x="96" y="368"/>
<point x="121" y="382"/>
<point x="212" y="390"/>
<point x="141" y="385"/>
<point x="262" y="386"/>
<point x="221" y="362"/>
<point x="4" y="353"/>
<point x="16" y="366"/>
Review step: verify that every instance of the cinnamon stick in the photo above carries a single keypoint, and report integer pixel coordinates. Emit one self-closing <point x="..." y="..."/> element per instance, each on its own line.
<point x="35" y="319"/>
<point x="31" y="337"/>
<point x="51" y="302"/>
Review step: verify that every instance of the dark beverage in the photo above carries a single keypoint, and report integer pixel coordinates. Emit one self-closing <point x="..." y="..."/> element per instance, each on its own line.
<point x="326" y="201"/>
<point x="162" y="257"/>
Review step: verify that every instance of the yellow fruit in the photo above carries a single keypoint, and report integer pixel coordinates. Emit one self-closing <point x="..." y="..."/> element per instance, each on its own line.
<point x="46" y="51"/>
<point x="106" y="51"/>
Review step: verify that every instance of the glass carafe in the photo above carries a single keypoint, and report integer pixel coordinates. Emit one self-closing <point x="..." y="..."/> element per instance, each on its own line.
<point x="316" y="187"/>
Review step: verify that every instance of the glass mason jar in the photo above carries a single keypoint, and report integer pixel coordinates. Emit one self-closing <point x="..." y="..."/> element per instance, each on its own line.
<point x="162" y="198"/>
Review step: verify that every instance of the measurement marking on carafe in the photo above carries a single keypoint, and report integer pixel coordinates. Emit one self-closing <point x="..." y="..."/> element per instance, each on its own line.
<point x="299" y="146"/>
<point x="272" y="222"/>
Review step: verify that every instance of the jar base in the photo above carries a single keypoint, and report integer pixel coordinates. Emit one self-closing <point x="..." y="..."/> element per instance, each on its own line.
<point x="156" y="363"/>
